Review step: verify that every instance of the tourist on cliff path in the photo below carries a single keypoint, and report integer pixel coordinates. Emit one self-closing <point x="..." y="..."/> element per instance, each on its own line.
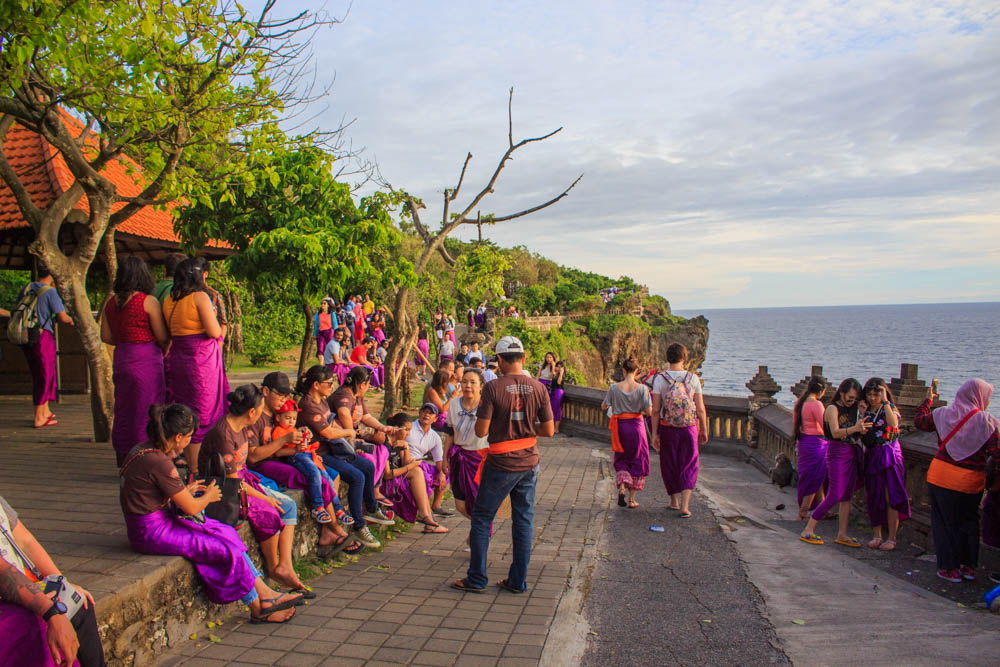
<point x="629" y="402"/>
<point x="132" y="322"/>
<point x="556" y="393"/>
<point x="683" y="424"/>
<point x="843" y="423"/>
<point x="967" y="437"/>
<point x="810" y="446"/>
<point x="509" y="408"/>
<point x="885" y="474"/>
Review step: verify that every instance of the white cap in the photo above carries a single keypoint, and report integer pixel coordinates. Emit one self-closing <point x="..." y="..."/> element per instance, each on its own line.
<point x="509" y="344"/>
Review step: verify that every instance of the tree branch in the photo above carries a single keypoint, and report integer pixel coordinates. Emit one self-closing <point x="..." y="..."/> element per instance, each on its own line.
<point x="510" y="118"/>
<point x="414" y="206"/>
<point x="504" y="218"/>
<point x="446" y="256"/>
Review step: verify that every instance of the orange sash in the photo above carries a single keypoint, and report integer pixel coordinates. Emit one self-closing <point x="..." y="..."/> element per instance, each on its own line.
<point x="616" y="441"/>
<point x="504" y="448"/>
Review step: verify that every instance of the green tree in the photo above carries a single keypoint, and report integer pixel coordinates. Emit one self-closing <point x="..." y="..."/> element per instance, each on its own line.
<point x="479" y="273"/>
<point x="165" y="83"/>
<point x="296" y="225"/>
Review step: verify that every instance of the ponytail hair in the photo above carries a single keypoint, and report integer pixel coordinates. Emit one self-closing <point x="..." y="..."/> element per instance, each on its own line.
<point x="167" y="421"/>
<point x="317" y="373"/>
<point x="630" y="365"/>
<point x="243" y="399"/>
<point x="816" y="386"/>
<point x="357" y="376"/>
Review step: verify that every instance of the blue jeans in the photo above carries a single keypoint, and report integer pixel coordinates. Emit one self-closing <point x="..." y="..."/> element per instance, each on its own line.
<point x="359" y="475"/>
<point x="494" y="486"/>
<point x="251" y="595"/>
<point x="303" y="462"/>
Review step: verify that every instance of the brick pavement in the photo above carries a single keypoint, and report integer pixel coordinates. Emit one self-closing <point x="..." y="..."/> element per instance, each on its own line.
<point x="396" y="607"/>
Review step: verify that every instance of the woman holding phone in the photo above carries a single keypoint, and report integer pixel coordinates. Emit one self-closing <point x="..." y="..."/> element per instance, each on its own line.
<point x="885" y="474"/>
<point x="842" y="423"/>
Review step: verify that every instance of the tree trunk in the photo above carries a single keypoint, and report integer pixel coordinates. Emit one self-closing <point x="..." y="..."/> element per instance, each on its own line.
<point x="236" y="321"/>
<point x="395" y="359"/>
<point x="307" y="339"/>
<point x="72" y="289"/>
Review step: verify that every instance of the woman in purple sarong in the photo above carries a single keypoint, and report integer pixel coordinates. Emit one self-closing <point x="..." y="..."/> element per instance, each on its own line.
<point x="151" y="489"/>
<point x="323" y="327"/>
<point x="629" y="402"/>
<point x="424" y="348"/>
<point x="885" y="474"/>
<point x="133" y="323"/>
<point x="464" y="449"/>
<point x="193" y="366"/>
<point x="810" y="446"/>
<point x="406" y="483"/>
<point x="683" y="424"/>
<point x="843" y="423"/>
<point x="556" y="393"/>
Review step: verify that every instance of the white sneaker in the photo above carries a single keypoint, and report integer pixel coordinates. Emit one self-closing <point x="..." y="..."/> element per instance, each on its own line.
<point x="366" y="538"/>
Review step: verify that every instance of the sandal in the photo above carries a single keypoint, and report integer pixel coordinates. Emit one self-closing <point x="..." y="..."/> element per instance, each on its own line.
<point x="354" y="548"/>
<point x="384" y="502"/>
<point x="266" y="618"/>
<point x="621" y="500"/>
<point x="305" y="592"/>
<point x="278" y="606"/>
<point x="435" y="529"/>
<point x="51" y="421"/>
<point x="507" y="587"/>
<point x="463" y="585"/>
<point x="685" y="515"/>
<point x="875" y="543"/>
<point x="888" y="545"/>
<point x="632" y="505"/>
<point x="811" y="538"/>
<point x="849" y="542"/>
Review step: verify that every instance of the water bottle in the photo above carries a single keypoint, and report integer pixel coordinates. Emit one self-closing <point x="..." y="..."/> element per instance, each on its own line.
<point x="992" y="599"/>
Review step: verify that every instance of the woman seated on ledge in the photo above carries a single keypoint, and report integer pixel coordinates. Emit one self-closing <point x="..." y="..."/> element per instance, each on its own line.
<point x="35" y="629"/>
<point x="163" y="517"/>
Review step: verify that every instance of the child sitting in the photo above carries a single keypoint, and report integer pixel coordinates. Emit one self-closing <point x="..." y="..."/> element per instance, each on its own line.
<point x="308" y="462"/>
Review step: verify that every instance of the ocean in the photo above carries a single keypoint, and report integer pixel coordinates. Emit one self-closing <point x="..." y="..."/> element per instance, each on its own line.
<point x="950" y="341"/>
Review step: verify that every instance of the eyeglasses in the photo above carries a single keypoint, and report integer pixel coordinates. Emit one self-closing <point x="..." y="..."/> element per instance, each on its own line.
<point x="327" y="382"/>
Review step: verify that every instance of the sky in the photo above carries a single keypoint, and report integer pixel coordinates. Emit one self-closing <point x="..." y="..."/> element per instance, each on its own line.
<point x="781" y="153"/>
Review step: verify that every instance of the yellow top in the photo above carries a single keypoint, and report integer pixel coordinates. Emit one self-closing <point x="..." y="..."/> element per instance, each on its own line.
<point x="369" y="307"/>
<point x="185" y="321"/>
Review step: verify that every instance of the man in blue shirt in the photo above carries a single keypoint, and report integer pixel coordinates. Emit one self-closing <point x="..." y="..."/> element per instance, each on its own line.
<point x="41" y="355"/>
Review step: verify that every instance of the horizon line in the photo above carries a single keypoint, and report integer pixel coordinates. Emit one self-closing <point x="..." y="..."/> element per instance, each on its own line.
<point x="841" y="305"/>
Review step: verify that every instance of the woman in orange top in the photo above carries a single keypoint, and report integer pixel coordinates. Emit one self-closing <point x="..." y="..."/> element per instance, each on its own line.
<point x="967" y="436"/>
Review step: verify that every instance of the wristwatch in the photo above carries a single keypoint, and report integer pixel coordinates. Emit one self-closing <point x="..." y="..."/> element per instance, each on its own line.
<point x="58" y="607"/>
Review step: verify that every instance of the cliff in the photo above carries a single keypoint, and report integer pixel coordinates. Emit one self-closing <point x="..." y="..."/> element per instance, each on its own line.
<point x="647" y="345"/>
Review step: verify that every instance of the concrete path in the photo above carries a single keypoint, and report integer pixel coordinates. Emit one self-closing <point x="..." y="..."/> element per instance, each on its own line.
<point x="829" y="607"/>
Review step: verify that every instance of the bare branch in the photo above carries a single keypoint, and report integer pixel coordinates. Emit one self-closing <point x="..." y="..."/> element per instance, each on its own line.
<point x="450" y="195"/>
<point x="510" y="119"/>
<point x="413" y="205"/>
<point x="446" y="256"/>
<point x="504" y="218"/>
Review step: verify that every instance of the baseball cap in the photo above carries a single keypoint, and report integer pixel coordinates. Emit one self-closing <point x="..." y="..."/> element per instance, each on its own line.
<point x="278" y="382"/>
<point x="430" y="406"/>
<point x="509" y="345"/>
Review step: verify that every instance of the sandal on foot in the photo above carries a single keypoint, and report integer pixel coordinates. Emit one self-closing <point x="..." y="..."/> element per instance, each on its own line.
<point x="288" y="603"/>
<point x="344" y="518"/>
<point x="305" y="592"/>
<point x="685" y="515"/>
<point x="811" y="538"/>
<point x="321" y="515"/>
<point x="384" y="502"/>
<point x="632" y="505"/>
<point x="51" y="421"/>
<point x="507" y="587"/>
<point x="875" y="543"/>
<point x="849" y="542"/>
<point x="354" y="548"/>
<point x="266" y="617"/>
<point x="463" y="585"/>
<point x="888" y="545"/>
<point x="621" y="500"/>
<point x="434" y="529"/>
<point x="673" y="509"/>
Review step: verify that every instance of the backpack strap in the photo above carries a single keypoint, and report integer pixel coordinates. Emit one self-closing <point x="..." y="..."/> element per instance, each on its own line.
<point x="959" y="425"/>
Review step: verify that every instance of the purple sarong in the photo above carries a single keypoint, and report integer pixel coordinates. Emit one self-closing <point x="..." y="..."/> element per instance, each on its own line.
<point x="196" y="378"/>
<point x="842" y="474"/>
<point x="462" y="467"/>
<point x="380" y="457"/>
<point x="885" y="472"/>
<point x="323" y="338"/>
<point x="41" y="358"/>
<point x="379" y="336"/>
<point x="23" y="638"/>
<point x="425" y="349"/>
<point x="679" y="457"/>
<point x="811" y="455"/>
<point x="288" y="477"/>
<point x="139" y="383"/>
<point x="632" y="465"/>
<point x="215" y="549"/>
<point x="556" y="400"/>
<point x="399" y="492"/>
<point x="264" y="519"/>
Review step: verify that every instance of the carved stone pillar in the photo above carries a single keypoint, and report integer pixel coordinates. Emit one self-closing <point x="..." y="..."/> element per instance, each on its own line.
<point x="909" y="391"/>
<point x="817" y="371"/>
<point x="763" y="388"/>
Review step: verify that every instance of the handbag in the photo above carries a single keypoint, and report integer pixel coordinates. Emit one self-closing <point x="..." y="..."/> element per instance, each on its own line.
<point x="232" y="509"/>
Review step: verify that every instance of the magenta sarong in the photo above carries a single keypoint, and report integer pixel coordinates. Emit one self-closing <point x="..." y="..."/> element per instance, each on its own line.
<point x="884" y="471"/>
<point x="41" y="358"/>
<point x="23" y="638"/>
<point x="139" y="383"/>
<point x="323" y="338"/>
<point x="811" y="455"/>
<point x="287" y="477"/>
<point x="399" y="492"/>
<point x="215" y="549"/>
<point x="379" y="336"/>
<point x="462" y="467"/>
<point x="425" y="349"/>
<point x="557" y="400"/>
<point x="264" y="519"/>
<point x="340" y="371"/>
<point x="196" y="378"/>
<point x="632" y="465"/>
<point x="380" y="457"/>
<point x="679" y="457"/>
<point x="842" y="473"/>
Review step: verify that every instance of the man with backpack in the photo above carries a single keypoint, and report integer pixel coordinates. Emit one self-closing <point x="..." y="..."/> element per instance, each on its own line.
<point x="32" y="326"/>
<point x="679" y="406"/>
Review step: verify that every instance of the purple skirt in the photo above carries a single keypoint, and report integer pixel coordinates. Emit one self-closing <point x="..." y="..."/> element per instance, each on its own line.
<point x="425" y="349"/>
<point x="557" y="400"/>
<point x="264" y="520"/>
<point x="462" y="467"/>
<point x="23" y="638"/>
<point x="323" y="338"/>
<point x="842" y="474"/>
<point x="41" y="358"/>
<point x="679" y="457"/>
<point x="288" y="477"/>
<point x="380" y="457"/>
<point x="632" y="465"/>
<point x="139" y="383"/>
<point x="196" y="378"/>
<point x="811" y="454"/>
<point x="885" y="474"/>
<point x="399" y="492"/>
<point x="379" y="336"/>
<point x="215" y="549"/>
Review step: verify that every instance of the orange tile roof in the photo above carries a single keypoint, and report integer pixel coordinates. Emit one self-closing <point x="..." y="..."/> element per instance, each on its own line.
<point x="45" y="175"/>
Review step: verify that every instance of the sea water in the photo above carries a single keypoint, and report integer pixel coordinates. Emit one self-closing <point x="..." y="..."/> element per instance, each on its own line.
<point x="953" y="342"/>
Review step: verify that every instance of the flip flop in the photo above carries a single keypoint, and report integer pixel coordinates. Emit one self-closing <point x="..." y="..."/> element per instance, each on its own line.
<point x="849" y="542"/>
<point x="507" y="587"/>
<point x="888" y="545"/>
<point x="685" y="515"/>
<point x="51" y="421"/>
<point x="266" y="617"/>
<point x="463" y="585"/>
<point x="354" y="548"/>
<point x="305" y="592"/>
<point x="875" y="543"/>
<point x="811" y="538"/>
<point x="632" y="505"/>
<point x="436" y="529"/>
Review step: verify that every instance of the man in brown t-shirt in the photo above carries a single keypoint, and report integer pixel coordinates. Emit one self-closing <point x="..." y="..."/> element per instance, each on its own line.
<point x="509" y="409"/>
